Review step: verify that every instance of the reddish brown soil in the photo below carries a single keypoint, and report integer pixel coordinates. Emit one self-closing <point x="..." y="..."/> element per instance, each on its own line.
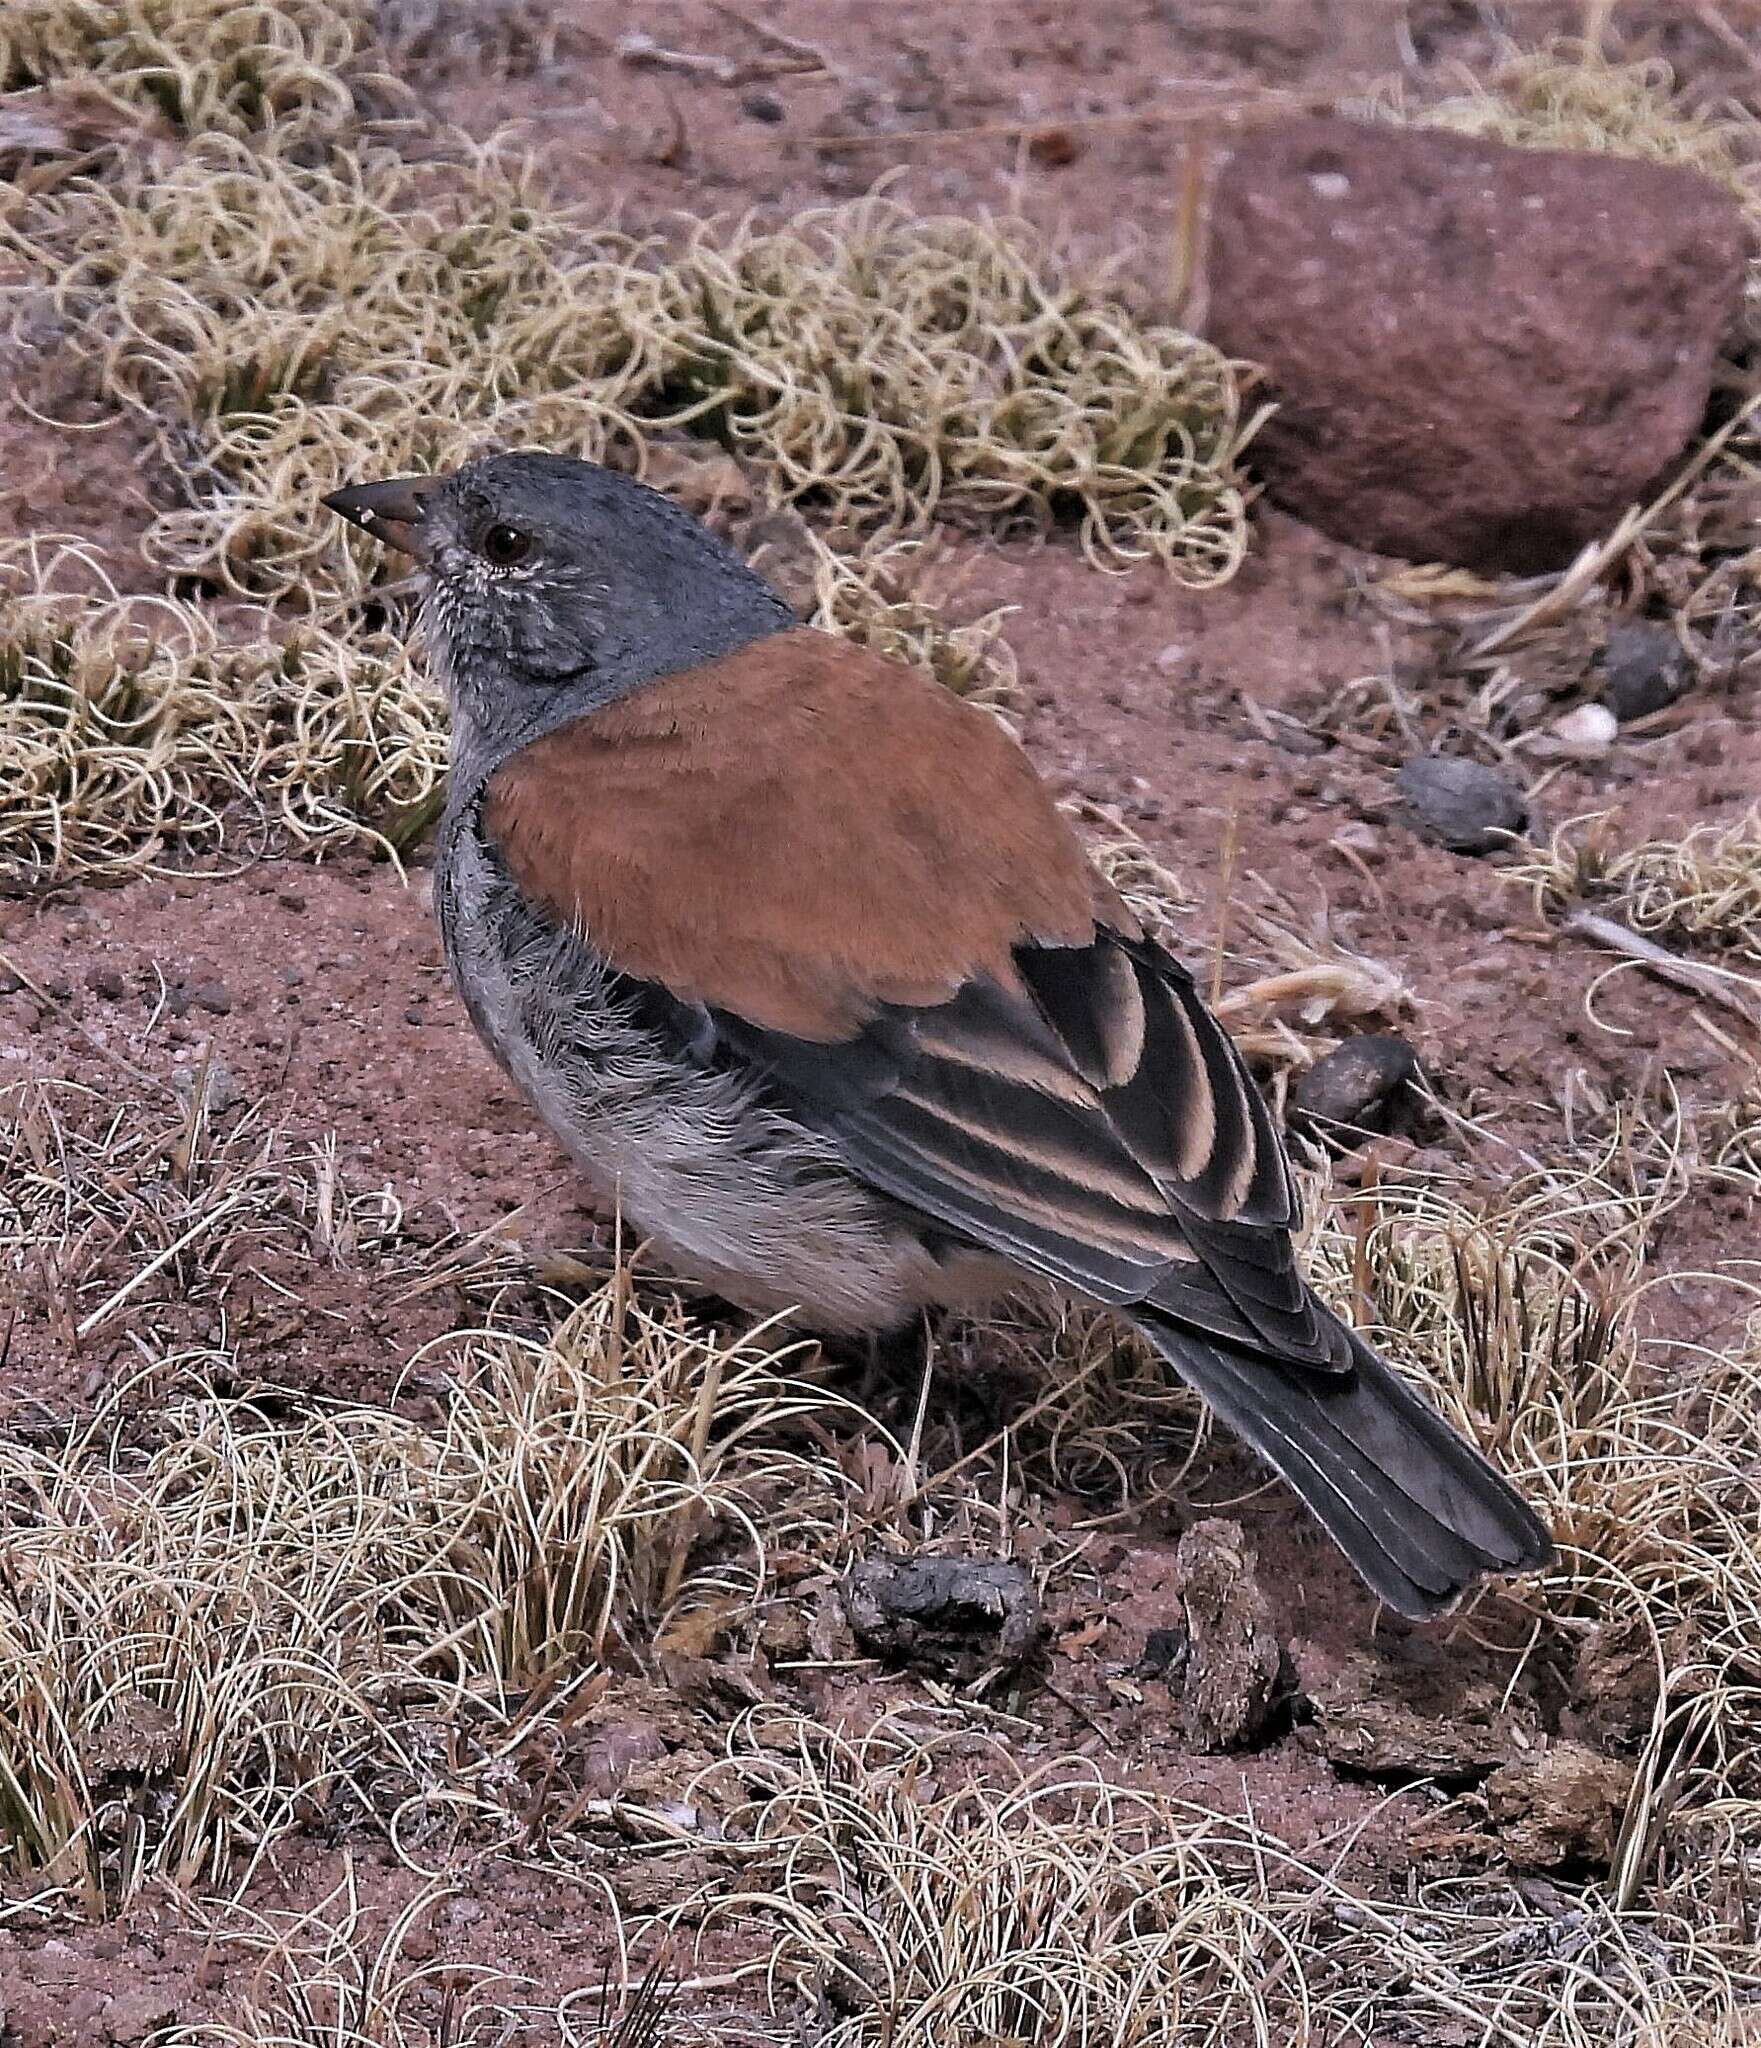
<point x="338" y="1018"/>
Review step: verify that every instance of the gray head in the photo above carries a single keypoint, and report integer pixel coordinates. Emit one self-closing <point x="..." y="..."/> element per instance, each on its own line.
<point x="554" y="586"/>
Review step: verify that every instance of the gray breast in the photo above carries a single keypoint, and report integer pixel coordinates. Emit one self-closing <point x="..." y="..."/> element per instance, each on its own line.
<point x="730" y="1190"/>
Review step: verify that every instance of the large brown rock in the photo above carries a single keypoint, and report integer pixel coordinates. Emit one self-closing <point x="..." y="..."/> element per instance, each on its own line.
<point x="1480" y="354"/>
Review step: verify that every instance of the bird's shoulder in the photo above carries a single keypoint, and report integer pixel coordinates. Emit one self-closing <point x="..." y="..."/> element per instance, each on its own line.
<point x="799" y="833"/>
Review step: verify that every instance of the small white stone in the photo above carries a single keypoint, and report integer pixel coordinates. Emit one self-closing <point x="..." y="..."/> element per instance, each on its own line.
<point x="1586" y="734"/>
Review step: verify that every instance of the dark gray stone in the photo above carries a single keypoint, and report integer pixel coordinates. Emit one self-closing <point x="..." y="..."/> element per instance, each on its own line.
<point x="1644" y="668"/>
<point x="1461" y="804"/>
<point x="957" y="1613"/>
<point x="1358" y="1086"/>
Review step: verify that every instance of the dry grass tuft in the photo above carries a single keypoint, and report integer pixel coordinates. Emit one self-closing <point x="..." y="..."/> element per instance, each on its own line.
<point x="924" y="1903"/>
<point x="923" y="1888"/>
<point x="111" y="1214"/>
<point x="1702" y="886"/>
<point x="285" y="69"/>
<point x="224" y="1613"/>
<point x="131" y="729"/>
<point x="895" y="369"/>
<point x="1568" y="94"/>
<point x="308" y="323"/>
<point x="318" y="1979"/>
<point x="892" y="598"/>
<point x="1524" y="1317"/>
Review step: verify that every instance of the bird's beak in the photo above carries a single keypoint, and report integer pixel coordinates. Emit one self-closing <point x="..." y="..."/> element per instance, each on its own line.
<point x="391" y="512"/>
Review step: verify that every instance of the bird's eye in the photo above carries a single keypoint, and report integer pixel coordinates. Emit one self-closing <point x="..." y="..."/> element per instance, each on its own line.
<point x="506" y="545"/>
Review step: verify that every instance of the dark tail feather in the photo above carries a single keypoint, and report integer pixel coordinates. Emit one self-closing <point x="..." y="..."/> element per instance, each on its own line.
<point x="1413" y="1505"/>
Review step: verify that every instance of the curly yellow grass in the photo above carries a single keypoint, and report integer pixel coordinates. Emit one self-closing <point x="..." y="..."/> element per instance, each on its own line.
<point x="316" y="322"/>
<point x="290" y="69"/>
<point x="925" y="1888"/>
<point x="1701" y="885"/>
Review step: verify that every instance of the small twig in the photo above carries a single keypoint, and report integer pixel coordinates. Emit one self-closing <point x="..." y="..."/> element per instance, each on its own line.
<point x="812" y="58"/>
<point x="1080" y="1711"/>
<point x="201" y="1225"/>
<point x="1595" y="561"/>
<point x="686" y="1532"/>
<point x="1225" y="890"/>
<point x="1711" y="982"/>
<point x="1271" y="101"/>
<point x="1185" y="294"/>
<point x="638" y="48"/>
<point x="1728" y="36"/>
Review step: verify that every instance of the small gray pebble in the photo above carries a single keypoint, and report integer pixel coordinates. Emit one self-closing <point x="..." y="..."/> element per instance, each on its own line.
<point x="1461" y="804"/>
<point x="10" y="984"/>
<point x="1644" y="668"/>
<point x="108" y="983"/>
<point x="763" y="106"/>
<point x="221" y="1092"/>
<point x="213" y="996"/>
<point x="1357" y="1085"/>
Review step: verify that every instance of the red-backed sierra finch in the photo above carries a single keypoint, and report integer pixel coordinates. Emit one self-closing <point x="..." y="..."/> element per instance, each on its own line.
<point x="795" y="954"/>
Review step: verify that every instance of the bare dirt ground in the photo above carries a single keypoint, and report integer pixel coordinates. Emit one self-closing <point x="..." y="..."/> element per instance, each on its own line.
<point x="318" y="988"/>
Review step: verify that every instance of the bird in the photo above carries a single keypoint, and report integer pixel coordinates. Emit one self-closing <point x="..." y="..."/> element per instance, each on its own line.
<point x="795" y="953"/>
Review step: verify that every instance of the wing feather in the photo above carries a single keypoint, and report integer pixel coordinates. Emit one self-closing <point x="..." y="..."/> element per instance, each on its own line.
<point x="1094" y="1183"/>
